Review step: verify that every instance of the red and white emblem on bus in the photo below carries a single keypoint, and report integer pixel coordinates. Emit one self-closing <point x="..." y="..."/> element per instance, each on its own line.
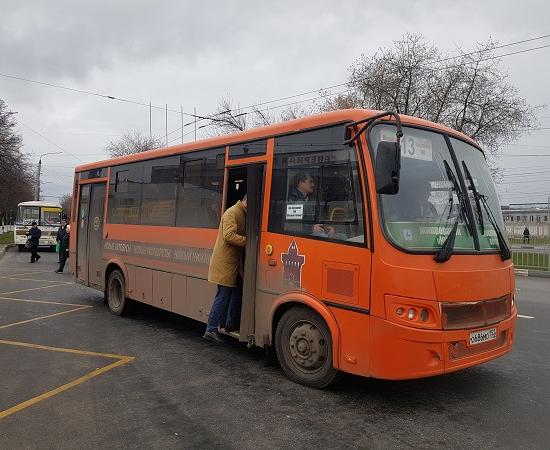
<point x="292" y="265"/>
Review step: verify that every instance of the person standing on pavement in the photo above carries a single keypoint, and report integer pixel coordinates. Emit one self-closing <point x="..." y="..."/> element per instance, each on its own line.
<point x="63" y="239"/>
<point x="34" y="234"/>
<point x="526" y="235"/>
<point x="224" y="269"/>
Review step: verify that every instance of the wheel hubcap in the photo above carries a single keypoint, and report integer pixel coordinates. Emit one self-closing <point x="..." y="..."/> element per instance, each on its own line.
<point x="308" y="347"/>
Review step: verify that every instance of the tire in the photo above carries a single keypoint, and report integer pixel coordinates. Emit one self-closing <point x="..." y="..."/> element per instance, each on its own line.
<point x="20" y="247"/>
<point x="116" y="290"/>
<point x="304" y="348"/>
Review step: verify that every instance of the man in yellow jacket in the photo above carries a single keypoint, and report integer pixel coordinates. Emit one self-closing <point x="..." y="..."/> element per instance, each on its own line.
<point x="224" y="271"/>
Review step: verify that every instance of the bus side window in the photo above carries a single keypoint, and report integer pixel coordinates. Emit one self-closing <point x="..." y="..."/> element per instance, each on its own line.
<point x="316" y="189"/>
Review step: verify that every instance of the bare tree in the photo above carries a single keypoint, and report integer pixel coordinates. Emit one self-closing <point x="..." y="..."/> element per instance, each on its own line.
<point x="132" y="142"/>
<point x="228" y="118"/>
<point x="66" y="204"/>
<point x="469" y="93"/>
<point x="16" y="171"/>
<point x="231" y="118"/>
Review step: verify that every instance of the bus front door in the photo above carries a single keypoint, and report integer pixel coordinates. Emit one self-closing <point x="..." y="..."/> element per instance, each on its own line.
<point x="248" y="180"/>
<point x="90" y="234"/>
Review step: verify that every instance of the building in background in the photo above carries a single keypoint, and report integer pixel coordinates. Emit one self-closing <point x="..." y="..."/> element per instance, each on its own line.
<point x="534" y="216"/>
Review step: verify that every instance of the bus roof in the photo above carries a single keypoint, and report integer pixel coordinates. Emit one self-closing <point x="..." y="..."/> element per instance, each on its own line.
<point x="40" y="203"/>
<point x="288" y="127"/>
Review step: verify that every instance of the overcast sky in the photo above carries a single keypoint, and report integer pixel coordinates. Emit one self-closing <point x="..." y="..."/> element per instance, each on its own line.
<point x="192" y="54"/>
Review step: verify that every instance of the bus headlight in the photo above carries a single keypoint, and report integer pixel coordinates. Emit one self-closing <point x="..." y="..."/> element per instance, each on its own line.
<point x="413" y="312"/>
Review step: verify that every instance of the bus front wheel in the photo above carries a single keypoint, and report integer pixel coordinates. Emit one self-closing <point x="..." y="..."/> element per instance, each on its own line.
<point x="116" y="293"/>
<point x="304" y="348"/>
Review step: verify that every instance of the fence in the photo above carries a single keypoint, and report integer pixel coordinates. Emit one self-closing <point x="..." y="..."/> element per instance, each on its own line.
<point x="531" y="260"/>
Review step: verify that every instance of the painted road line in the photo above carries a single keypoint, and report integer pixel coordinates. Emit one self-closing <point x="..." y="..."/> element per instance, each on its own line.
<point x="26" y="273"/>
<point x="121" y="361"/>
<point x="33" y="289"/>
<point x="32" y="279"/>
<point x="525" y="317"/>
<point x="41" y="301"/>
<point x="44" y="317"/>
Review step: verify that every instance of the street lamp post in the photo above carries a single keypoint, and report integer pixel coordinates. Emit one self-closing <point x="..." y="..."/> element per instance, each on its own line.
<point x="39" y="169"/>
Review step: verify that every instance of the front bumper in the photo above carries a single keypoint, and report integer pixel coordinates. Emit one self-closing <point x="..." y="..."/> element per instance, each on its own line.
<point x="400" y="352"/>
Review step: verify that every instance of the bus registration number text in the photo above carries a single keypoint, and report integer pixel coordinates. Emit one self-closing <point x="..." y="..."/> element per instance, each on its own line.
<point x="478" y="337"/>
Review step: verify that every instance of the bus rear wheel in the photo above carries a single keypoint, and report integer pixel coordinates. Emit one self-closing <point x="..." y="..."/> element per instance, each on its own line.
<point x="304" y="348"/>
<point x="116" y="293"/>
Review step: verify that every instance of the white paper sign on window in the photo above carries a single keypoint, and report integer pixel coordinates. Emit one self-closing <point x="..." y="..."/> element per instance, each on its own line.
<point x="295" y="211"/>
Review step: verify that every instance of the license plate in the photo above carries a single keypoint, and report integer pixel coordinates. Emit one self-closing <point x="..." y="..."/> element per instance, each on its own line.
<point x="478" y="337"/>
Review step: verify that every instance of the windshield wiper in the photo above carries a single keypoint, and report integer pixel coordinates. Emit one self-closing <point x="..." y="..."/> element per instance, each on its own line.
<point x="446" y="250"/>
<point x="477" y="197"/>
<point x="505" y="252"/>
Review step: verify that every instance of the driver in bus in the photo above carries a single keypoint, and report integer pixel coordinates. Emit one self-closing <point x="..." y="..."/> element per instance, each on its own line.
<point x="303" y="187"/>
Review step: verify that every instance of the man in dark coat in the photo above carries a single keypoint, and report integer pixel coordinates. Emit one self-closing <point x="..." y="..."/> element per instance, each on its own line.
<point x="63" y="239"/>
<point x="34" y="234"/>
<point x="526" y="235"/>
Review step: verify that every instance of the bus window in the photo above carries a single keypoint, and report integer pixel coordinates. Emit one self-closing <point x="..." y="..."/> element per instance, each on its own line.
<point x="160" y="183"/>
<point x="27" y="214"/>
<point x="50" y="216"/>
<point x="316" y="189"/>
<point x="125" y="193"/>
<point x="199" y="199"/>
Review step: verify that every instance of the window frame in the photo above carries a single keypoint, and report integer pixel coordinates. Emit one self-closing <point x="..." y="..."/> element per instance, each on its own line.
<point x="362" y="187"/>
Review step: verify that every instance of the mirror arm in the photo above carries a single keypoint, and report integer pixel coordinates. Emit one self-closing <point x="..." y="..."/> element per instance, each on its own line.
<point x="369" y="121"/>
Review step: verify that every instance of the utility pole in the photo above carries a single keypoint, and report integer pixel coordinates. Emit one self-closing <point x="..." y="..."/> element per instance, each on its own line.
<point x="40" y="169"/>
<point x="166" y="124"/>
<point x="150" y="130"/>
<point x="181" y="124"/>
<point x="38" y="180"/>
<point x="195" y="115"/>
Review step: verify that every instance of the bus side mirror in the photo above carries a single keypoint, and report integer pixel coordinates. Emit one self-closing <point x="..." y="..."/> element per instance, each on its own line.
<point x="388" y="163"/>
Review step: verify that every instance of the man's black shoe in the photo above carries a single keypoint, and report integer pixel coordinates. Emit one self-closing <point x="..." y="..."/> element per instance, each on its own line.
<point x="213" y="336"/>
<point x="37" y="258"/>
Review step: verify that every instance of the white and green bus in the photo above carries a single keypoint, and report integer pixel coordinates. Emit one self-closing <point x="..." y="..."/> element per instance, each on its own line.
<point x="46" y="214"/>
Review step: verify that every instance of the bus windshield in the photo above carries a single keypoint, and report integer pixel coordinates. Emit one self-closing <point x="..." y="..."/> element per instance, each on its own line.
<point x="42" y="215"/>
<point x="27" y="214"/>
<point x="50" y="216"/>
<point x="430" y="200"/>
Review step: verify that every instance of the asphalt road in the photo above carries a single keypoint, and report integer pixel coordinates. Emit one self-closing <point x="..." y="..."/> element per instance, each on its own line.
<point x="182" y="392"/>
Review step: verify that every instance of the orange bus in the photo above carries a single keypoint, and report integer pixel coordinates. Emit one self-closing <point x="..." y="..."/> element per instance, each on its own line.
<point x="392" y="262"/>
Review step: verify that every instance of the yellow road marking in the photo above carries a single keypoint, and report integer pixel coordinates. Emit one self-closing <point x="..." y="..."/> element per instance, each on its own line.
<point x="121" y="361"/>
<point x="32" y="279"/>
<point x="64" y="350"/>
<point x="41" y="301"/>
<point x="32" y="289"/>
<point x="26" y="273"/>
<point x="43" y="317"/>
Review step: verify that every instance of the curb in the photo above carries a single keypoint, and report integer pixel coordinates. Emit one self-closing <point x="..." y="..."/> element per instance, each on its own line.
<point x="532" y="273"/>
<point x="4" y="249"/>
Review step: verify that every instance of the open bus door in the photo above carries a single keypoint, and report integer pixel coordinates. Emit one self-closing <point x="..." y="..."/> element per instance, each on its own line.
<point x="248" y="180"/>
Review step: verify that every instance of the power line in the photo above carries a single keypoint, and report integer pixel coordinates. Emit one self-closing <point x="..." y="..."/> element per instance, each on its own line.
<point x="50" y="141"/>
<point x="112" y="97"/>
